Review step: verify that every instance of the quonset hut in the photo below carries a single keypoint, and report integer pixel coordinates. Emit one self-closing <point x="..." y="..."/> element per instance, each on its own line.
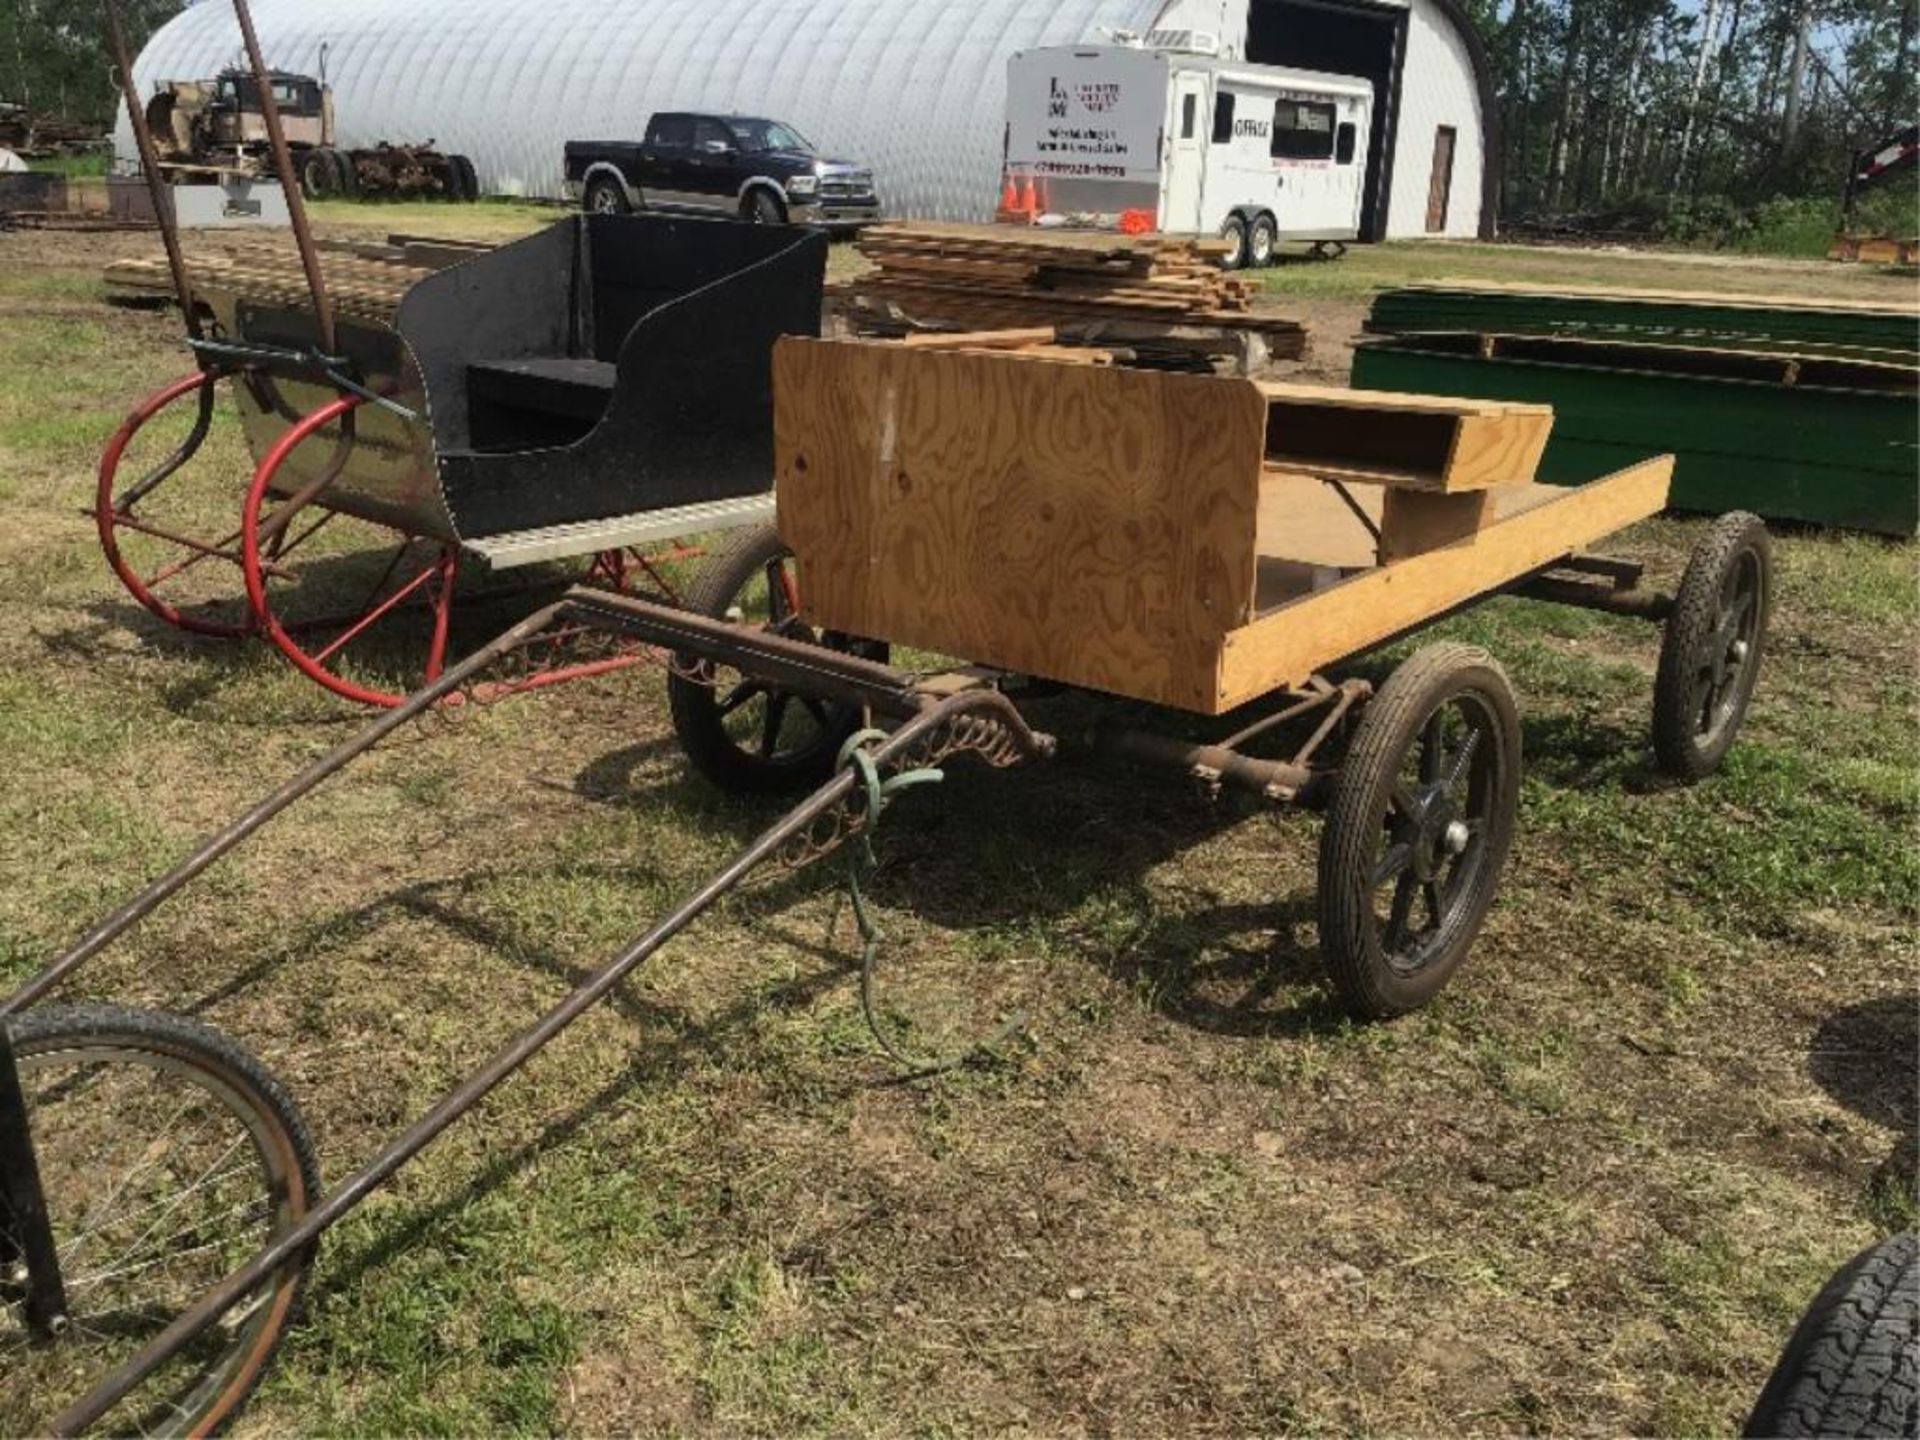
<point x="914" y="87"/>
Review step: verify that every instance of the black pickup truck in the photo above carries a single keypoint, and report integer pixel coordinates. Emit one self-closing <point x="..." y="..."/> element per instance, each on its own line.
<point x="764" y="171"/>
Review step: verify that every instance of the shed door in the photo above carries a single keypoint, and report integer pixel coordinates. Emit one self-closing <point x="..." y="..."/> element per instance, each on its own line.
<point x="1441" y="188"/>
<point x="1187" y="132"/>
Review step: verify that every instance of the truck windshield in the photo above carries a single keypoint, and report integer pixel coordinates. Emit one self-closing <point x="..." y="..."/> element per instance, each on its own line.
<point x="768" y="135"/>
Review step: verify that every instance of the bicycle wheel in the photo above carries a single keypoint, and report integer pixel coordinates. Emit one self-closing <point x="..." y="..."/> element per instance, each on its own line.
<point x="168" y="1157"/>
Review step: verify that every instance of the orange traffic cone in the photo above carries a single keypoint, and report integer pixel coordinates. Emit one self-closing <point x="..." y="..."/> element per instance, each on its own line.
<point x="1009" y="211"/>
<point x="1029" y="207"/>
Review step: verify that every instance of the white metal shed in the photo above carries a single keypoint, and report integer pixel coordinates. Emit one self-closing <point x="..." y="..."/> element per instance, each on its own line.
<point x="915" y="87"/>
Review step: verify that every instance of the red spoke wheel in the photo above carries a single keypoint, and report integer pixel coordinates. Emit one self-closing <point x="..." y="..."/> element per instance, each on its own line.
<point x="368" y="610"/>
<point x="172" y="534"/>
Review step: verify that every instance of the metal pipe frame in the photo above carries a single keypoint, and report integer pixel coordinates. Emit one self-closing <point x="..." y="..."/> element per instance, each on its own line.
<point x="283" y="167"/>
<point x="26" y="1235"/>
<point x="898" y="747"/>
<point x="1297" y="781"/>
<point x="150" y="167"/>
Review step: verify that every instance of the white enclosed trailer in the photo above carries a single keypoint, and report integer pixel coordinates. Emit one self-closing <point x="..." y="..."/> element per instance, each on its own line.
<point x="1135" y="138"/>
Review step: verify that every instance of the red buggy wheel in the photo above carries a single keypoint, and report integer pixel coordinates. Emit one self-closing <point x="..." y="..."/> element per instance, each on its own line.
<point x="147" y="528"/>
<point x="329" y="647"/>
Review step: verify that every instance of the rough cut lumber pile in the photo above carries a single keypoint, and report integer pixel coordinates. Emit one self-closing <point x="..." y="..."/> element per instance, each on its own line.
<point x="366" y="281"/>
<point x="976" y="277"/>
<point x="1874" y="250"/>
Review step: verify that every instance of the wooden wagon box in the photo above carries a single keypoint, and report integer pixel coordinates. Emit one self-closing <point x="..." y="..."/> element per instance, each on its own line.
<point x="1187" y="540"/>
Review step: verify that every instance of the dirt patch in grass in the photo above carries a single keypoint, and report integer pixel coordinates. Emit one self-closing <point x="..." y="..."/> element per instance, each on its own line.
<point x="1587" y="1191"/>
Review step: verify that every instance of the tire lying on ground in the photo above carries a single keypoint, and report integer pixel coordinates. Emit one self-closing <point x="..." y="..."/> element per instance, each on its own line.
<point x="1852" y="1365"/>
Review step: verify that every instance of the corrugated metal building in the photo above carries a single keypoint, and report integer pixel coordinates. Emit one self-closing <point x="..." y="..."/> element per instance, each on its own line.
<point x="915" y="87"/>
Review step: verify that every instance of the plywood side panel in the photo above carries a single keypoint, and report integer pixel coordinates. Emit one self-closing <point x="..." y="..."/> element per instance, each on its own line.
<point x="1289" y="644"/>
<point x="1089" y="525"/>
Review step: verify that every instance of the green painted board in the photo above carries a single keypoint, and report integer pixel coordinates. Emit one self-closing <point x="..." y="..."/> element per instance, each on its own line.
<point x="1808" y="329"/>
<point x="1829" y="456"/>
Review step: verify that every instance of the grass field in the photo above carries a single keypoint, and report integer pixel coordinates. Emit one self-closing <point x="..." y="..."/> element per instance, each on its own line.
<point x="1588" y="1191"/>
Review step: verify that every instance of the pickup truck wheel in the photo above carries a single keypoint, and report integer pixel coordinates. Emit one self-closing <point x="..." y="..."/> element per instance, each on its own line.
<point x="606" y="197"/>
<point x="762" y="209"/>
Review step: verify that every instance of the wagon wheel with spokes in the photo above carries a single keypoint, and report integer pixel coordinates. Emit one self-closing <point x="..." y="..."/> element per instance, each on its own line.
<point x="368" y="613"/>
<point x="171" y="534"/>
<point x="740" y="732"/>
<point x="1419" y="828"/>
<point x="1715" y="641"/>
<point x="167" y="1158"/>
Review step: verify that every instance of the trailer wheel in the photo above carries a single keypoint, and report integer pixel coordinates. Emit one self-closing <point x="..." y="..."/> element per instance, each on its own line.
<point x="318" y="178"/>
<point x="1852" y="1365"/>
<point x="1234" y="232"/>
<point x="741" y="734"/>
<point x="164" y="1144"/>
<point x="1262" y="239"/>
<point x="466" y="180"/>
<point x="1715" y="641"/>
<point x="761" y="208"/>
<point x="1418" y="832"/>
<point x="605" y="196"/>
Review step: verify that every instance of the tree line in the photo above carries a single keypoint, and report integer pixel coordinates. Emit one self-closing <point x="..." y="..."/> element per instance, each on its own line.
<point x="1630" y="112"/>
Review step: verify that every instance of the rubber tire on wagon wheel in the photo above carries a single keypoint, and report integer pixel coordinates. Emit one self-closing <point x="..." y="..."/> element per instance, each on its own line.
<point x="1262" y="240"/>
<point x="1234" y="232"/>
<point x="702" y="712"/>
<point x="86" y="1071"/>
<point x="761" y="208"/>
<point x="1422" y="815"/>
<point x="605" y="196"/>
<point x="1715" y="641"/>
<point x="319" y="178"/>
<point x="1852" y="1365"/>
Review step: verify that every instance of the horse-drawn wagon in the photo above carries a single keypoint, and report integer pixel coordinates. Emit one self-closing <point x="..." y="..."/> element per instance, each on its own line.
<point x="1210" y="547"/>
<point x="1211" y="551"/>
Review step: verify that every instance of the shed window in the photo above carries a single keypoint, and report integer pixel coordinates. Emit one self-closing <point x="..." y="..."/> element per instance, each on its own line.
<point x="1302" y="130"/>
<point x="1343" y="144"/>
<point x="1189" y="115"/>
<point x="1223" y="118"/>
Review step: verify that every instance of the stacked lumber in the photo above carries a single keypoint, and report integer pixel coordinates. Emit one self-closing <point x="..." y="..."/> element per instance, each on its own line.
<point x="986" y="279"/>
<point x="366" y="281"/>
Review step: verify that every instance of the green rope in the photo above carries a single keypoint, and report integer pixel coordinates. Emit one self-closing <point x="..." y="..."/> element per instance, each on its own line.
<point x="861" y="863"/>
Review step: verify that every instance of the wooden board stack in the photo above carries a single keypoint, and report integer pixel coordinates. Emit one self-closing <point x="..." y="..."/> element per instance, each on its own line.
<point x="986" y="279"/>
<point x="363" y="280"/>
